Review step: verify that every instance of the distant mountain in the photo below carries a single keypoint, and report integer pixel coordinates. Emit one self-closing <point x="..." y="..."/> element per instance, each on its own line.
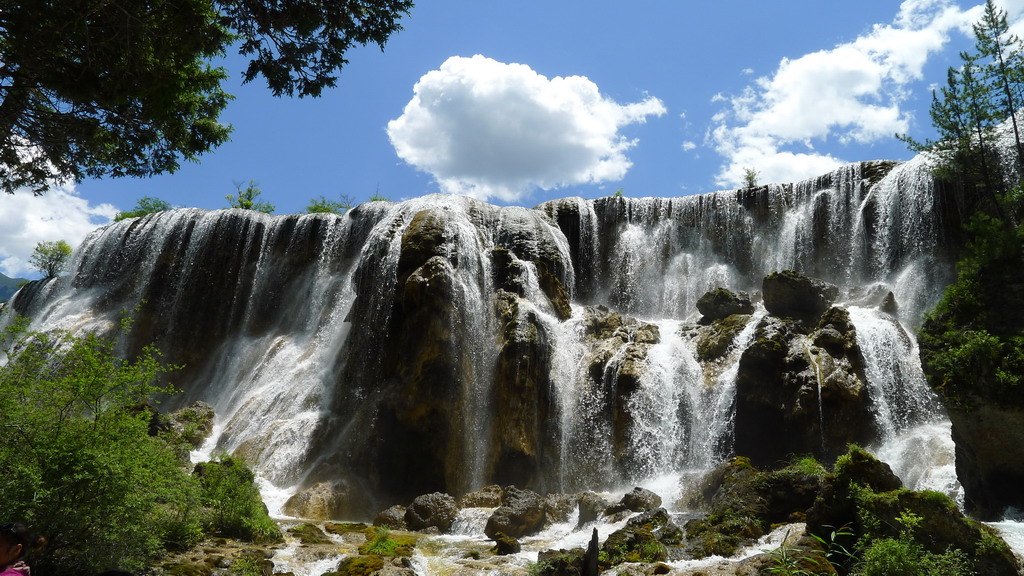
<point x="8" y="286"/>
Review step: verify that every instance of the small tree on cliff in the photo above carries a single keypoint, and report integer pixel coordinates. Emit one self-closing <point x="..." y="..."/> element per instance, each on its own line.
<point x="246" y="199"/>
<point x="145" y="205"/>
<point x="50" y="258"/>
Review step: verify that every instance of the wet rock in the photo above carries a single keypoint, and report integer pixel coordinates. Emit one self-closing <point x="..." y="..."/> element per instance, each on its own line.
<point x="505" y="544"/>
<point x="989" y="438"/>
<point x="321" y="501"/>
<point x="486" y="497"/>
<point x="616" y="363"/>
<point x="436" y="510"/>
<point x="521" y="514"/>
<point x="799" y="393"/>
<point x="788" y="294"/>
<point x="592" y="506"/>
<point x="639" y="500"/>
<point x="559" y="507"/>
<point x="521" y="409"/>
<point x="714" y="340"/>
<point x="721" y="303"/>
<point x="392" y="518"/>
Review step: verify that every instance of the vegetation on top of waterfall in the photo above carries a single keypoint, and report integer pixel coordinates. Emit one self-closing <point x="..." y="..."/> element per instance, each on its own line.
<point x="85" y="461"/>
<point x="96" y="88"/>
<point x="145" y="205"/>
<point x="50" y="258"/>
<point x="323" y="205"/>
<point x="750" y="178"/>
<point x="246" y="198"/>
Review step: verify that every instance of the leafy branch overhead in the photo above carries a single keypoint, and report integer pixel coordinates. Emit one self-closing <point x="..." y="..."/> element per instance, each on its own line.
<point x="95" y="88"/>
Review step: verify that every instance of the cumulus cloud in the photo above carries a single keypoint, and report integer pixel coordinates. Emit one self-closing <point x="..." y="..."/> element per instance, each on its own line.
<point x="494" y="130"/>
<point x="60" y="214"/>
<point x="851" y="93"/>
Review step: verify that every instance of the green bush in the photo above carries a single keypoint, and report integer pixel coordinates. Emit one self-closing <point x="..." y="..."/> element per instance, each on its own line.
<point x="79" y="465"/>
<point x="972" y="344"/>
<point x="236" y="509"/>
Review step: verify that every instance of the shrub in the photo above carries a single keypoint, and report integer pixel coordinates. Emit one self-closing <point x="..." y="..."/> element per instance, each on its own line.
<point x="236" y="508"/>
<point x="79" y="465"/>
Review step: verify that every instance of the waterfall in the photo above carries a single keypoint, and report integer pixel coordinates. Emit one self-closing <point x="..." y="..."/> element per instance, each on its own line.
<point x="442" y="343"/>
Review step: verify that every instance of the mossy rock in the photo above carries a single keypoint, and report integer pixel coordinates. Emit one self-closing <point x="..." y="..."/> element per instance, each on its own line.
<point x="358" y="566"/>
<point x="858" y="466"/>
<point x="187" y="569"/>
<point x="714" y="340"/>
<point x="745" y="502"/>
<point x="720" y="303"/>
<point x="505" y="544"/>
<point x="383" y="542"/>
<point x="559" y="563"/>
<point x="309" y="534"/>
<point x="631" y="545"/>
<point x="341" y="528"/>
<point x="940" y="527"/>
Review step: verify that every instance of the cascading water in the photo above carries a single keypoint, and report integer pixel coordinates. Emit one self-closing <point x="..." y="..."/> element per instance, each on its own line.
<point x="353" y="350"/>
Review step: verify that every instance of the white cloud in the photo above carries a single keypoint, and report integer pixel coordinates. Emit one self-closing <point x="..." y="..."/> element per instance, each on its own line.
<point x="850" y="93"/>
<point x="494" y="130"/>
<point x="26" y="220"/>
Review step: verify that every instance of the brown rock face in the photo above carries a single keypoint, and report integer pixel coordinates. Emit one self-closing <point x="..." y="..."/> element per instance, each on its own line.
<point x="989" y="442"/>
<point x="800" y="393"/>
<point x="788" y="294"/>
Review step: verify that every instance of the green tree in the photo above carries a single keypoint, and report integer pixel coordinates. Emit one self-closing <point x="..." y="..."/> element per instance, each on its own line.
<point x="1003" y="72"/>
<point x="246" y="198"/>
<point x="324" y="205"/>
<point x="50" y="258"/>
<point x="92" y="88"/>
<point x="965" y="120"/>
<point x="750" y="178"/>
<point x="79" y="464"/>
<point x="145" y="205"/>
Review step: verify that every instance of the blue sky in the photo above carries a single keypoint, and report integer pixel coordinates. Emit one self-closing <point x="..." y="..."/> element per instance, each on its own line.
<point x="520" y="102"/>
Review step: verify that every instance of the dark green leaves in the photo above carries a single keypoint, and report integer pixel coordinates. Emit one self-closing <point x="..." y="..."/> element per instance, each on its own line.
<point x="95" y="88"/>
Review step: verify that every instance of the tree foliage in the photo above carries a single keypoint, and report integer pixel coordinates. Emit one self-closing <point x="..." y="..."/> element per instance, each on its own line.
<point x="979" y="96"/>
<point x="230" y="493"/>
<point x="87" y="463"/>
<point x="50" y="258"/>
<point x="247" y="198"/>
<point x="97" y="88"/>
<point x="79" y="464"/>
<point x="145" y="205"/>
<point x="323" y="205"/>
<point x="750" y="177"/>
<point x="972" y="344"/>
